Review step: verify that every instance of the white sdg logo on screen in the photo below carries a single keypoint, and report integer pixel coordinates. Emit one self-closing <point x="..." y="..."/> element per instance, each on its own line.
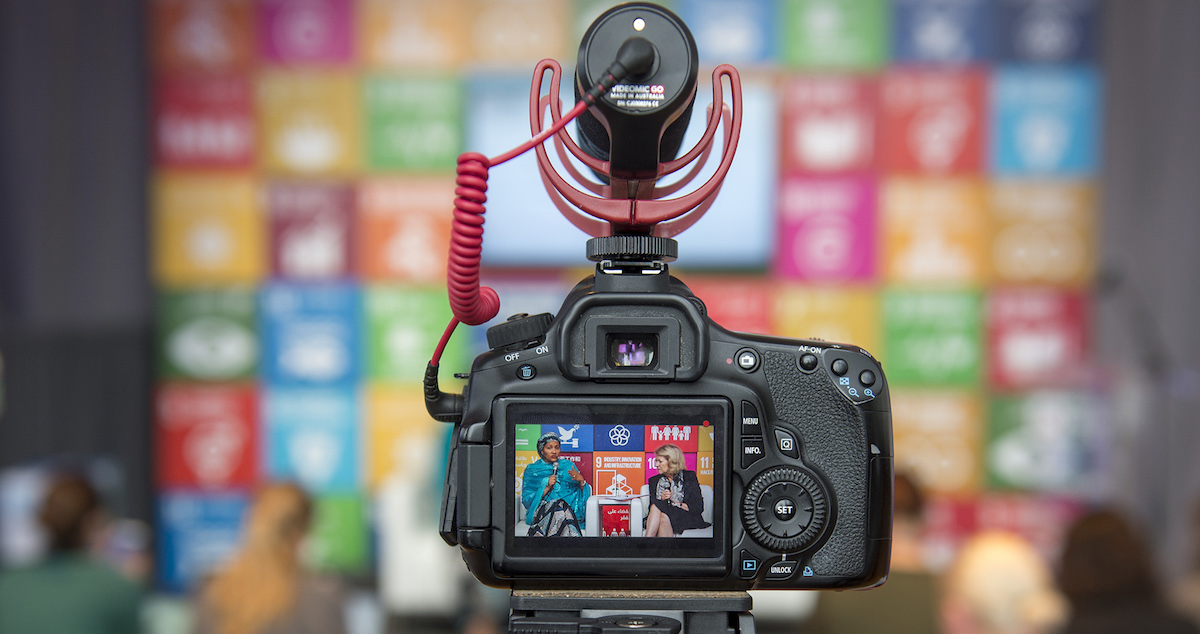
<point x="619" y="436"/>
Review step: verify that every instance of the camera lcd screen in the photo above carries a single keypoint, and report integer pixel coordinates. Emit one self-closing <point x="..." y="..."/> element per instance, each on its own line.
<point x="618" y="477"/>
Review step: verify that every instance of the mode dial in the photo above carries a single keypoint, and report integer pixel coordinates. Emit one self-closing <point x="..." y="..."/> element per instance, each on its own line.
<point x="785" y="509"/>
<point x="519" y="328"/>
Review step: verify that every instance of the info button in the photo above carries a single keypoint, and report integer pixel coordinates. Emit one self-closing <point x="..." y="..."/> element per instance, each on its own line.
<point x="752" y="451"/>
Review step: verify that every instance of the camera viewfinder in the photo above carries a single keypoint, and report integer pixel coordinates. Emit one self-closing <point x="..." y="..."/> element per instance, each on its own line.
<point x="632" y="351"/>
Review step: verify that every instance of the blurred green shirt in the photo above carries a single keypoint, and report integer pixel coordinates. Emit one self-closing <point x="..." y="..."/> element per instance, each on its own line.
<point x="68" y="594"/>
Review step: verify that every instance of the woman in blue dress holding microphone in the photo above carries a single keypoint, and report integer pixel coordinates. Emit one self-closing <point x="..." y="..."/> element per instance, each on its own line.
<point x="554" y="492"/>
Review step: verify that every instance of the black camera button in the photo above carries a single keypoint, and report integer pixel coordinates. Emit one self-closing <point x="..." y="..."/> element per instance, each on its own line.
<point x="798" y="490"/>
<point x="526" y="372"/>
<point x="751" y="423"/>
<point x="781" y="570"/>
<point x="840" y="367"/>
<point x="785" y="509"/>
<point x="787" y="443"/>
<point x="747" y="565"/>
<point x="867" y="378"/>
<point x="752" y="451"/>
<point x="747" y="359"/>
<point x="809" y="362"/>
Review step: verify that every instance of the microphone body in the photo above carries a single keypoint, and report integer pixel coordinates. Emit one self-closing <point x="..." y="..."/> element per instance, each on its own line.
<point x="639" y="122"/>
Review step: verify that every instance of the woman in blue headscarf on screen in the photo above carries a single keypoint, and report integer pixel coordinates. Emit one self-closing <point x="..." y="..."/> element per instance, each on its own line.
<point x="554" y="493"/>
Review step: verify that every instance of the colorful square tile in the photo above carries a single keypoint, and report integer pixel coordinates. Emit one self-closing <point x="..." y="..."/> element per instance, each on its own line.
<point x="1046" y="121"/>
<point x="942" y="31"/>
<point x="829" y="123"/>
<point x="1045" y="232"/>
<point x="933" y="338"/>
<point x="312" y="230"/>
<point x="1035" y="31"/>
<point x="310" y="123"/>
<point x="197" y="532"/>
<point x="306" y="31"/>
<point x="935" y="231"/>
<point x="403" y="326"/>
<point x="206" y="335"/>
<point x="312" y="436"/>
<point x="206" y="436"/>
<point x="413" y="123"/>
<point x="405" y="228"/>
<point x="938" y="437"/>
<point x="338" y="539"/>
<point x="932" y="122"/>
<point x="208" y="229"/>
<point x="204" y="122"/>
<point x="1037" y="337"/>
<point x="827" y="228"/>
<point x="311" y="334"/>
<point x="834" y="33"/>
<point x="201" y="35"/>
<point x="414" y="34"/>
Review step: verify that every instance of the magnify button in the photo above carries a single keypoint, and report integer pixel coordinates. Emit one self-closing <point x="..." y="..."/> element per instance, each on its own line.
<point x="853" y="392"/>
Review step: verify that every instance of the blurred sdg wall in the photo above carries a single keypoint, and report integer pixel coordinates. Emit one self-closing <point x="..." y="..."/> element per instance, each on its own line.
<point x="919" y="177"/>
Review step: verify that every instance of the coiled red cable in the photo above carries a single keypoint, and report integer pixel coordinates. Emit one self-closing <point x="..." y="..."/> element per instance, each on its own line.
<point x="474" y="304"/>
<point x="471" y="303"/>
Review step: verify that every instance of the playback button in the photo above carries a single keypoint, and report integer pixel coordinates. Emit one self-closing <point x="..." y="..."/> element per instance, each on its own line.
<point x="747" y="565"/>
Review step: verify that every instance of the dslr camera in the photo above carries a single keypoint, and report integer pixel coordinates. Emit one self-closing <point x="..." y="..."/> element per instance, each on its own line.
<point x="630" y="442"/>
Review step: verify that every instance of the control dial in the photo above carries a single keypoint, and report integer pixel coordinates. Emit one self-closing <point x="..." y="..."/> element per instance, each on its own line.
<point x="785" y="509"/>
<point x="519" y="328"/>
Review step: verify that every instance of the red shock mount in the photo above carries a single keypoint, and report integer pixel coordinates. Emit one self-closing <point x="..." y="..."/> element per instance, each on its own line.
<point x="596" y="212"/>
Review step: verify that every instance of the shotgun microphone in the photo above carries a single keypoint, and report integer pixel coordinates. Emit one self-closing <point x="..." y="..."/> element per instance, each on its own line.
<point x="641" y="121"/>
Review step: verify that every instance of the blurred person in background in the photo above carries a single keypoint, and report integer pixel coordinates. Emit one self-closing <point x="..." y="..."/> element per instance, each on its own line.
<point x="907" y="602"/>
<point x="1110" y="580"/>
<point x="998" y="584"/>
<point x="1185" y="594"/>
<point x="69" y="591"/>
<point x="265" y="589"/>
